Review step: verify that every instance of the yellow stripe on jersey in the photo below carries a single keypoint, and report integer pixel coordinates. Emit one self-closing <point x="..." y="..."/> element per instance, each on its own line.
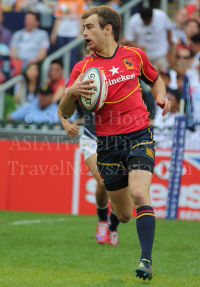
<point x="138" y="86"/>
<point x="141" y="62"/>
<point x="83" y="69"/>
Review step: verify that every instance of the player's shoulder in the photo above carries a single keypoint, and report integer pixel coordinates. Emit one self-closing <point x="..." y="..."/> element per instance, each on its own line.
<point x="79" y="66"/>
<point x="134" y="50"/>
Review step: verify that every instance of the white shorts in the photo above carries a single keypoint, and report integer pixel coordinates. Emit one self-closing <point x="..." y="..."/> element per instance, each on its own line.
<point x="88" y="146"/>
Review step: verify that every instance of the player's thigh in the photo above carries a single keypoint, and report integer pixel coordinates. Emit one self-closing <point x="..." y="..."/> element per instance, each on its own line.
<point x="122" y="203"/>
<point x="139" y="187"/>
<point x="92" y="165"/>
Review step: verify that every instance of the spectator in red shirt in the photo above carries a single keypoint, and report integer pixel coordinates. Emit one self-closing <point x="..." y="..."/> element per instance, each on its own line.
<point x="56" y="80"/>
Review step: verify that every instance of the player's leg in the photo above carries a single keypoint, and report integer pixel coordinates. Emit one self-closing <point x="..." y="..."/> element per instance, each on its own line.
<point x="102" y="207"/>
<point x="101" y="194"/>
<point x="121" y="201"/>
<point x="139" y="188"/>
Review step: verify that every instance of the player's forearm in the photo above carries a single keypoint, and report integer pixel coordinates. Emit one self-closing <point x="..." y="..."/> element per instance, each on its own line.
<point x="67" y="106"/>
<point x="158" y="89"/>
<point x="64" y="122"/>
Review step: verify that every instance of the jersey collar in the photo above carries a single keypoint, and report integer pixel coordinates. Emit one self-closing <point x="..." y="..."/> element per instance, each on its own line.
<point x="94" y="55"/>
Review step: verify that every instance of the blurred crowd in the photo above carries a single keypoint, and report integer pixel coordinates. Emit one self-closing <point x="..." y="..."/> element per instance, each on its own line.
<point x="172" y="46"/>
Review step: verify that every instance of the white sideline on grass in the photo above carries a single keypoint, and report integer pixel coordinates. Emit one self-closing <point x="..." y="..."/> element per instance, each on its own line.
<point x="45" y="220"/>
<point x="37" y="221"/>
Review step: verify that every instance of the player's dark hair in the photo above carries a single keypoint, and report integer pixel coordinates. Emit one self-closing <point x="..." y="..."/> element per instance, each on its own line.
<point x="57" y="61"/>
<point x="106" y="15"/>
<point x="146" y="13"/>
<point x="37" y="15"/>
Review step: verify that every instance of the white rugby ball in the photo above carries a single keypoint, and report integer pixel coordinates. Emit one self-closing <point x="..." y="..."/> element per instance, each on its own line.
<point x="99" y="97"/>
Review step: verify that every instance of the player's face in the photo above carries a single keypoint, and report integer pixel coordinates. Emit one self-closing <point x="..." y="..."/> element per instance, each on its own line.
<point x="93" y="34"/>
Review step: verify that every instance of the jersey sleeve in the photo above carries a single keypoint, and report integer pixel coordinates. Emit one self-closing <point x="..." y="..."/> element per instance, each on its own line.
<point x="148" y="73"/>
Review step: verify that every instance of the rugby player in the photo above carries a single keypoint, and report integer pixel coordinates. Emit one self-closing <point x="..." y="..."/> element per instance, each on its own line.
<point x="125" y="145"/>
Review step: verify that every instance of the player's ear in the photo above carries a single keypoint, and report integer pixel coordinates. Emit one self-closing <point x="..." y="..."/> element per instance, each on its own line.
<point x="108" y="29"/>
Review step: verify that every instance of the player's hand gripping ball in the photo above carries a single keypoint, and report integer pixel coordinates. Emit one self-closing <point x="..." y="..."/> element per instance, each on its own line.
<point x="97" y="99"/>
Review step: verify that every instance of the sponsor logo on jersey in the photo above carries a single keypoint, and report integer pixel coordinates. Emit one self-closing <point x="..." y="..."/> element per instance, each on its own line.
<point x="128" y="63"/>
<point x="120" y="79"/>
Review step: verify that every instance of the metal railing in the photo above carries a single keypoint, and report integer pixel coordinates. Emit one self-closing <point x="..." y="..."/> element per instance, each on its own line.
<point x="164" y="4"/>
<point x="124" y="11"/>
<point x="7" y="86"/>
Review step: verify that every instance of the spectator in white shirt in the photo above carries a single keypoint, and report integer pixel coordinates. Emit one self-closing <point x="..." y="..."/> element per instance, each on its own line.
<point x="150" y="30"/>
<point x="30" y="44"/>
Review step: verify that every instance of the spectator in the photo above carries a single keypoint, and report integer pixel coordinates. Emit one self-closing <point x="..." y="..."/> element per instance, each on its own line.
<point x="150" y="30"/>
<point x="191" y="28"/>
<point x="68" y="24"/>
<point x="6" y="34"/>
<point x="178" y="31"/>
<point x="32" y="77"/>
<point x="180" y="60"/>
<point x="56" y="80"/>
<point x="30" y="44"/>
<point x="195" y="45"/>
<point x="40" y="110"/>
<point x="163" y="126"/>
<point x="4" y="62"/>
<point x="194" y="77"/>
<point x="192" y="72"/>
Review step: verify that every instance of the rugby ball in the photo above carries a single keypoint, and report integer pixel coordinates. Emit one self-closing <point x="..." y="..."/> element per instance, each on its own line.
<point x="99" y="97"/>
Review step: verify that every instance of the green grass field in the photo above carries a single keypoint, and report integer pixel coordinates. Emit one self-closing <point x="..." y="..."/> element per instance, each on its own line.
<point x="48" y="250"/>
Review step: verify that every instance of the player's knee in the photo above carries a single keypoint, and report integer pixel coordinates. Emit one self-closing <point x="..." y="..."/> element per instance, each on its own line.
<point x="124" y="218"/>
<point x="139" y="197"/>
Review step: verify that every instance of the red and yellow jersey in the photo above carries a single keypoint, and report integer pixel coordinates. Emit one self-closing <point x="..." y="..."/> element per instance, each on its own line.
<point x="124" y="110"/>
